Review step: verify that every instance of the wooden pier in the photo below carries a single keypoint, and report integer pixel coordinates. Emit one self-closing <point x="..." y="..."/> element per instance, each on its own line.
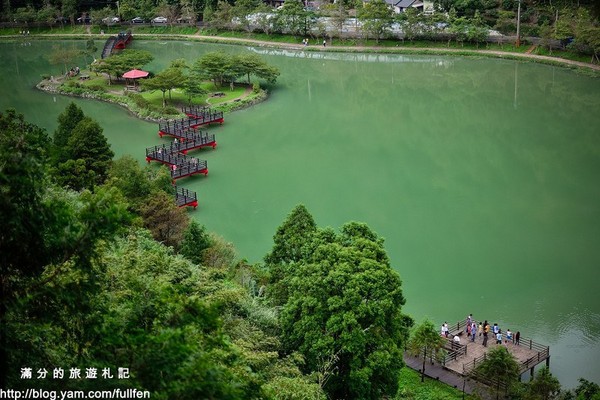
<point x="179" y="164"/>
<point x="204" y="113"/>
<point x="188" y="167"/>
<point x="197" y="116"/>
<point x="187" y="137"/>
<point x="468" y="355"/>
<point x="185" y="197"/>
<point x="460" y="360"/>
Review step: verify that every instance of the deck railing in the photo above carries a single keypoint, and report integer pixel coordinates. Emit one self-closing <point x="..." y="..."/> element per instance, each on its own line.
<point x="184" y="196"/>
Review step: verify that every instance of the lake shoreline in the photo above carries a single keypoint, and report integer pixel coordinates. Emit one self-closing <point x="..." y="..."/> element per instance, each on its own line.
<point x="592" y="69"/>
<point x="51" y="86"/>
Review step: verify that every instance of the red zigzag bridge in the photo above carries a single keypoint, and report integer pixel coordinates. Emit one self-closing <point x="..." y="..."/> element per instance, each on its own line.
<point x="187" y="137"/>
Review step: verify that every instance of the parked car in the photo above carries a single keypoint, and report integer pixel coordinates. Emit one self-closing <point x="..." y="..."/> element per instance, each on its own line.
<point x="85" y="19"/>
<point x="185" y="20"/>
<point x="137" y="20"/>
<point x="62" y="20"/>
<point x="159" y="20"/>
<point x="111" y="20"/>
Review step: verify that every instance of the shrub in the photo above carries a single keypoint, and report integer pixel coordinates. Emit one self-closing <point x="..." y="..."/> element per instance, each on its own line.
<point x="97" y="87"/>
<point x="73" y="84"/>
<point x="138" y="99"/>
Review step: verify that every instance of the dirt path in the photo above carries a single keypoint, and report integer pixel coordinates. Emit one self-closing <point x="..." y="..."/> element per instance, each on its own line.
<point x="432" y="50"/>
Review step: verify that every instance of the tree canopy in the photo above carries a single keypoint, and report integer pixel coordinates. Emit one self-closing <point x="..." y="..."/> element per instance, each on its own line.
<point x="342" y="307"/>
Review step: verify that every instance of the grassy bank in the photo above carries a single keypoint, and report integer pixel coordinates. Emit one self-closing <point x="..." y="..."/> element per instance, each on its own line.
<point x="411" y="388"/>
<point x="148" y="105"/>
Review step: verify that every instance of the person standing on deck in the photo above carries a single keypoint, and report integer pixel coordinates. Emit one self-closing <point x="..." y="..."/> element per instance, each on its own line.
<point x="480" y="329"/>
<point x="517" y="338"/>
<point x="469" y="321"/>
<point x="496" y="329"/>
<point x="499" y="337"/>
<point x="473" y="331"/>
<point x="509" y="336"/>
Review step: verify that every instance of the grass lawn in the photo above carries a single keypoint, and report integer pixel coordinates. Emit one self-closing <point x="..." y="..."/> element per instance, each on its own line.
<point x="178" y="97"/>
<point x="410" y="387"/>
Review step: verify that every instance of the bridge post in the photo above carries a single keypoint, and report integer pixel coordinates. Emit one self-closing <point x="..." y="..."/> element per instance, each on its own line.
<point x="548" y="360"/>
<point x="532" y="371"/>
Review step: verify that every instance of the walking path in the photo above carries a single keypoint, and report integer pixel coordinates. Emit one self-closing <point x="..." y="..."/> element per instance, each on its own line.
<point x="299" y="46"/>
<point x="437" y="372"/>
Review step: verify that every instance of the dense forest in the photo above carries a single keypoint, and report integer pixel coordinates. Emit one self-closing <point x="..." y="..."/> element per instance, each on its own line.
<point x="101" y="269"/>
<point x="106" y="284"/>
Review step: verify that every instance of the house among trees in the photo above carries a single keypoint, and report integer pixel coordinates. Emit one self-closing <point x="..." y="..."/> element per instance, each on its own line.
<point x="401" y="5"/>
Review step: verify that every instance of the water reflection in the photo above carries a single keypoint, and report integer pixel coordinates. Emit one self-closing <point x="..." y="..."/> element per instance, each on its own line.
<point x="356" y="57"/>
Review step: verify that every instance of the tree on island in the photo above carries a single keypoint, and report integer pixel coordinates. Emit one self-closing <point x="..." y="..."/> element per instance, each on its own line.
<point x="63" y="56"/>
<point x="221" y="67"/>
<point x="165" y="81"/>
<point x="117" y="64"/>
<point x="425" y="341"/>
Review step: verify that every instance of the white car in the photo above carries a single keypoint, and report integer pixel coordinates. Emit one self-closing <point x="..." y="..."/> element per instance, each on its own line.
<point x="111" y="20"/>
<point x="159" y="20"/>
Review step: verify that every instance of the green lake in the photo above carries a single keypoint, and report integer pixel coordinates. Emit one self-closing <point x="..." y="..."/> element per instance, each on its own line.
<point x="482" y="174"/>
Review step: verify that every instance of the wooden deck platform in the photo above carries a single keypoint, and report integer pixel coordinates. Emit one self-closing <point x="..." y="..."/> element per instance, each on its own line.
<point x="185" y="197"/>
<point x="204" y="113"/>
<point x="528" y="353"/>
<point x="190" y="166"/>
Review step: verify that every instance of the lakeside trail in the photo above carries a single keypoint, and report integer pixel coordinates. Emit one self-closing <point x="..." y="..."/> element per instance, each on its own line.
<point x="355" y="49"/>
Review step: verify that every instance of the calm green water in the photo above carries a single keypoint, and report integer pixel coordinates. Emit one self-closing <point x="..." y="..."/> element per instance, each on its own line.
<point x="482" y="175"/>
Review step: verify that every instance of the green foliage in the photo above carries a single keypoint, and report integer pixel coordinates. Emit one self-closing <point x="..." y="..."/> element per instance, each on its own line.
<point x="292" y="236"/>
<point x="63" y="56"/>
<point x="22" y="157"/>
<point x="164" y="219"/>
<point x="543" y="387"/>
<point x="119" y="63"/>
<point x="221" y="254"/>
<point x="294" y="19"/>
<point x="376" y="17"/>
<point x="166" y="80"/>
<point x="221" y="67"/>
<point x="342" y="309"/>
<point x="587" y="390"/>
<point x="138" y="99"/>
<point x="425" y="341"/>
<point x="88" y="142"/>
<point x="67" y="121"/>
<point x="411" y="388"/>
<point x="131" y="179"/>
<point x="195" y="241"/>
<point x="284" y="388"/>
<point x="499" y="368"/>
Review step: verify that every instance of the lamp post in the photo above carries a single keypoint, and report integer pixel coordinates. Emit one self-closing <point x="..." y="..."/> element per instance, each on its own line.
<point x="118" y="10"/>
<point x="519" y="25"/>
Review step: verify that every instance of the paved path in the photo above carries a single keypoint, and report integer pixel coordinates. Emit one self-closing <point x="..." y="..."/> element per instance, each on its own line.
<point x="437" y="372"/>
<point x="299" y="46"/>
